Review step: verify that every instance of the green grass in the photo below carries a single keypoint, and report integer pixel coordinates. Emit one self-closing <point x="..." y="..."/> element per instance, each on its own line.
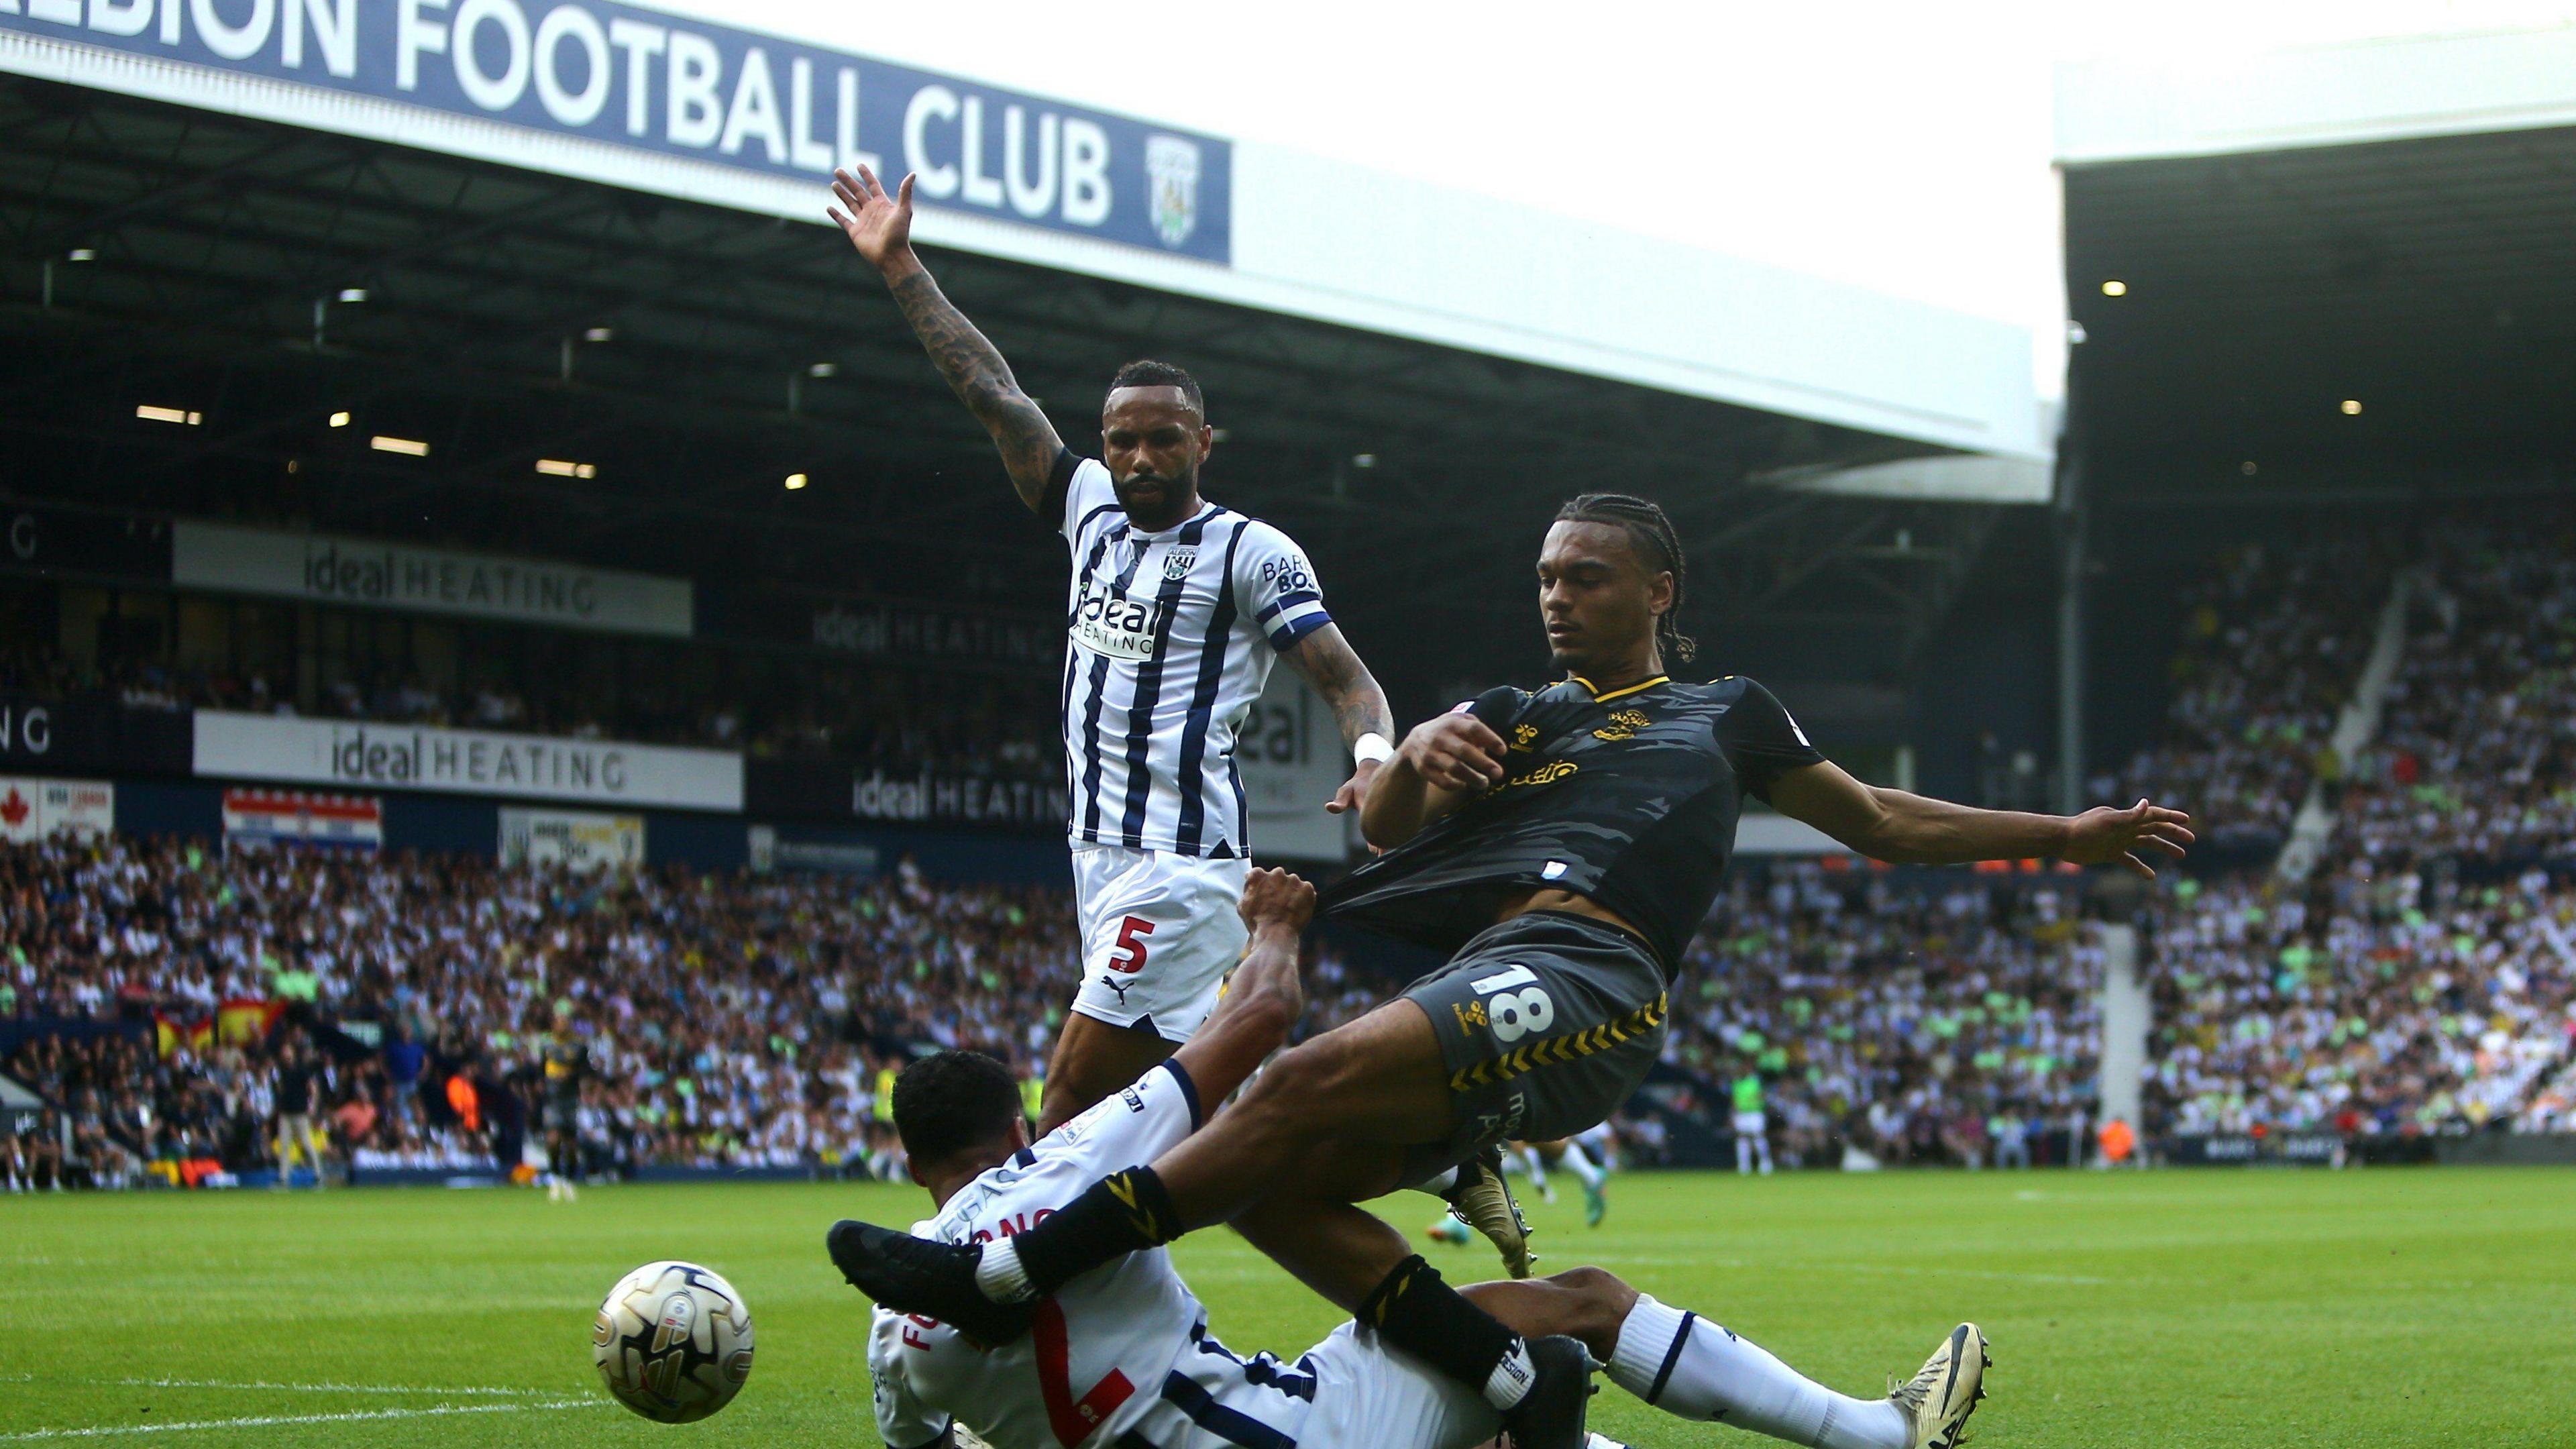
<point x="2381" y="1308"/>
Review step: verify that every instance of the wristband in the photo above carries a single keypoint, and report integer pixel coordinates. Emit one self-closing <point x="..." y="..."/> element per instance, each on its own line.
<point x="1372" y="748"/>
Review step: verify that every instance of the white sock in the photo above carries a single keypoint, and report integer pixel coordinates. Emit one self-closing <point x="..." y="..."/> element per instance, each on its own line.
<point x="1581" y="1166"/>
<point x="1535" y="1166"/>
<point x="999" y="1272"/>
<point x="1687" y="1366"/>
<point x="1511" y="1379"/>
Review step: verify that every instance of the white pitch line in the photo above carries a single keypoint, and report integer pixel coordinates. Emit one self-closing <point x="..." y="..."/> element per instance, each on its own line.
<point x="273" y="1420"/>
<point x="327" y="1388"/>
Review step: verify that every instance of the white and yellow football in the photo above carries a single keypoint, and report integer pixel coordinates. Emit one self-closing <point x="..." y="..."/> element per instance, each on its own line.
<point x="673" y="1342"/>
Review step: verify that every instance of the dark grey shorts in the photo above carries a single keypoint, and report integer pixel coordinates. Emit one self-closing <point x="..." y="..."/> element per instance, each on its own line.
<point x="1546" y="1022"/>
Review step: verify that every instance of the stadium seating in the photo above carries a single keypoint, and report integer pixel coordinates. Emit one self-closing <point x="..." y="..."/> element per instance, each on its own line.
<point x="2271" y="642"/>
<point x="1944" y="1024"/>
<point x="2422" y="980"/>
<point x="738" y="1022"/>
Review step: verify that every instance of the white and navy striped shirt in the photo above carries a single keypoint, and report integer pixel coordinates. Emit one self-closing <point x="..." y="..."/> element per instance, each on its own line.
<point x="1170" y="639"/>
<point x="1120" y="1357"/>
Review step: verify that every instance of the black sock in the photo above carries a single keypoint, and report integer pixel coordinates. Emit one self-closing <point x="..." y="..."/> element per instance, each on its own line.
<point x="1125" y="1212"/>
<point x="1417" y="1312"/>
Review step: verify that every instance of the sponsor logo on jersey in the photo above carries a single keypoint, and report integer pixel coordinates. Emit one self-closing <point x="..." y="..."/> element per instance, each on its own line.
<point x="1109" y="622"/>
<point x="1624" y="724"/>
<point x="1547" y="774"/>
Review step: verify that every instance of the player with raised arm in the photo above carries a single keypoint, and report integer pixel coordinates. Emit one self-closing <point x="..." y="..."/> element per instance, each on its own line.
<point x="1176" y="609"/>
<point x="1564" y="844"/>
<point x="1123" y="1355"/>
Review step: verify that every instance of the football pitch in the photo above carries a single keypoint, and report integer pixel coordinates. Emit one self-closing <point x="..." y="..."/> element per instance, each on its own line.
<point x="2382" y="1307"/>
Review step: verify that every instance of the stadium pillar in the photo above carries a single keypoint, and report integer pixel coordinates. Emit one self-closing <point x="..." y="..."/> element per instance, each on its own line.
<point x="2070" y="629"/>
<point x="2126" y="1013"/>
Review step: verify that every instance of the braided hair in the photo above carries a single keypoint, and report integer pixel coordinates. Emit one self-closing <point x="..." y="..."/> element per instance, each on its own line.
<point x="1650" y="532"/>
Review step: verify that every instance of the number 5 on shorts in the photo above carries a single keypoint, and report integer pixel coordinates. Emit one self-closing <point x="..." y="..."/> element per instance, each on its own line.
<point x="1131" y="944"/>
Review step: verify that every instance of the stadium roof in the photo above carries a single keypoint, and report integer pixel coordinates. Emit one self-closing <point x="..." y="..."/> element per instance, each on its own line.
<point x="1416" y="445"/>
<point x="2344" y="273"/>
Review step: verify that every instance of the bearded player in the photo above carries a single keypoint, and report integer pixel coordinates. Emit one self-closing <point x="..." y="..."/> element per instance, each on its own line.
<point x="1124" y="1356"/>
<point x="1564" y="844"/>
<point x="1176" y="610"/>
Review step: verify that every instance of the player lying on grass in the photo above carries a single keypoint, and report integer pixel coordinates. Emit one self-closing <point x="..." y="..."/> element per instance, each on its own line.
<point x="1564" y="844"/>
<point x="1122" y="1357"/>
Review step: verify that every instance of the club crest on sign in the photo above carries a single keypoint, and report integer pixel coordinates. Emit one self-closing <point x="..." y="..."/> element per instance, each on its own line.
<point x="1176" y="564"/>
<point x="1172" y="175"/>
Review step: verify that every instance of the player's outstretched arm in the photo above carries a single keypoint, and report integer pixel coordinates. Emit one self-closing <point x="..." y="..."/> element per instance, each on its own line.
<point x="1266" y="996"/>
<point x="880" y="227"/>
<point x="1909" y="829"/>
<point x="1328" y="662"/>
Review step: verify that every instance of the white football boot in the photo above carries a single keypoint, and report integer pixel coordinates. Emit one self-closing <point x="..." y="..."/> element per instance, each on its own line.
<point x="1938" y="1400"/>
<point x="1484" y="1202"/>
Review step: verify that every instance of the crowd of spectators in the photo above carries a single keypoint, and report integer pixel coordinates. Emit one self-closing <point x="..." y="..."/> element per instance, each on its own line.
<point x="2423" y="977"/>
<point x="2369" y="1003"/>
<point x="447" y="1013"/>
<point x="2273" y="639"/>
<point x="236" y="1012"/>
<point x="1951" y="1024"/>
<point x="2475" y="758"/>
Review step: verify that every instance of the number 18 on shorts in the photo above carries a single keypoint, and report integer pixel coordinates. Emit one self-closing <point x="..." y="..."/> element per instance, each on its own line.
<point x="1159" y="932"/>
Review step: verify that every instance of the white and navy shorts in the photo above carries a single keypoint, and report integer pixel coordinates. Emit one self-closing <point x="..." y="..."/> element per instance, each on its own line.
<point x="1160" y="930"/>
<point x="1369" y="1393"/>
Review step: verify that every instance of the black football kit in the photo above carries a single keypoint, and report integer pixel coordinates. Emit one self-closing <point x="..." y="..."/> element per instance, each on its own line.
<point x="1628" y="797"/>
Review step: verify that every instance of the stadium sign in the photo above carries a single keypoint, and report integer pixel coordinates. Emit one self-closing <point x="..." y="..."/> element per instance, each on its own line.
<point x="580" y="840"/>
<point x="642" y="80"/>
<point x="34" y="809"/>
<point x="900" y="632"/>
<point x="294" y="817"/>
<point x="463" y="762"/>
<point x="38" y="539"/>
<point x="90" y="734"/>
<point x="1290" y="758"/>
<point x="323" y="569"/>
<point x="929" y="795"/>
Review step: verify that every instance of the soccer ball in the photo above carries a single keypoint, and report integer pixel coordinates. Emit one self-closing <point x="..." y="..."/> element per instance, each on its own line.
<point x="673" y="1342"/>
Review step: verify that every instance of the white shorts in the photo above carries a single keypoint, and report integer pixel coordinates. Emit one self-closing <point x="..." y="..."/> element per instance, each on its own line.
<point x="1159" y="932"/>
<point x="1749" y="1124"/>
<point x="1369" y="1394"/>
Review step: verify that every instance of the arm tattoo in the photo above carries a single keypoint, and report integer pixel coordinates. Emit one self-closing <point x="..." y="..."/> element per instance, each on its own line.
<point x="1334" y="668"/>
<point x="983" y="381"/>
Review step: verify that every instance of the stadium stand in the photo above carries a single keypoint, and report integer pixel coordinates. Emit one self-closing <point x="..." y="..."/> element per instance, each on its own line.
<point x="1937" y="1023"/>
<point x="181" y="1004"/>
<point x="2476" y="759"/>
<point x="689" y="1021"/>
<point x="2423" y="978"/>
<point x="2271" y="640"/>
